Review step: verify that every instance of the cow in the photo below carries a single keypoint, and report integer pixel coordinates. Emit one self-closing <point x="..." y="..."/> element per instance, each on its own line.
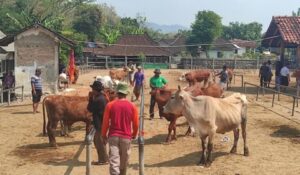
<point x="107" y="82"/>
<point x="163" y="95"/>
<point x="209" y="115"/>
<point x="118" y="74"/>
<point x="69" y="109"/>
<point x="197" y="76"/>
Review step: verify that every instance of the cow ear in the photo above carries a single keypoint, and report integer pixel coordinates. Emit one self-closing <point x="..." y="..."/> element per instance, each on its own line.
<point x="179" y="88"/>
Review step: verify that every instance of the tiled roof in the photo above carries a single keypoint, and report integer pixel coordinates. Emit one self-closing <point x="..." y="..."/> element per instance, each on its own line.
<point x="287" y="28"/>
<point x="134" y="45"/>
<point x="179" y="41"/>
<point x="223" y="45"/>
<point x="244" y="43"/>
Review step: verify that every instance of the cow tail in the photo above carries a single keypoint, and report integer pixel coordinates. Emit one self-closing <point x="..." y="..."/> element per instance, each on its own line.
<point x="44" y="118"/>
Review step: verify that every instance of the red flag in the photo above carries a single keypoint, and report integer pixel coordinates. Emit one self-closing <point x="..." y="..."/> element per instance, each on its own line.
<point x="71" y="65"/>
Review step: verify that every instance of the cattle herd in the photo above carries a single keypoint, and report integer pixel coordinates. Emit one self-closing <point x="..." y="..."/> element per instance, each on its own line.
<point x="201" y="102"/>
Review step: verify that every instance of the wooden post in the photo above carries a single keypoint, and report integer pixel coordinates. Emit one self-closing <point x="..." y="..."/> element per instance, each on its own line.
<point x="273" y="99"/>
<point x="282" y="49"/>
<point x="8" y="96"/>
<point x="1" y="95"/>
<point x="22" y="93"/>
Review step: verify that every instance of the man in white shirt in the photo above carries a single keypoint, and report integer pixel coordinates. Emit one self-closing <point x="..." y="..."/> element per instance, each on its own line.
<point x="63" y="79"/>
<point x="285" y="75"/>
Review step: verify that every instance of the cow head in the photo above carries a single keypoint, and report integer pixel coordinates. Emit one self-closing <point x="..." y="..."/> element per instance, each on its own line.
<point x="176" y="104"/>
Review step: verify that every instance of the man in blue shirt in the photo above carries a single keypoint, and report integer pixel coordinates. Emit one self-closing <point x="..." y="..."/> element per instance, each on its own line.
<point x="36" y="85"/>
<point x="138" y="81"/>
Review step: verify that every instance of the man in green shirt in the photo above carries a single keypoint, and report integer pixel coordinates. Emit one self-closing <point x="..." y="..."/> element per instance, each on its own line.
<point x="156" y="81"/>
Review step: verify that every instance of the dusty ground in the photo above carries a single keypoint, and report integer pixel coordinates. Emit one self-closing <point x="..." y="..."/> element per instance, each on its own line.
<point x="273" y="140"/>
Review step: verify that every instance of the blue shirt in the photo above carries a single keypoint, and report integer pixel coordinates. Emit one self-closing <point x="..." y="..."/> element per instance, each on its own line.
<point x="139" y="78"/>
<point x="37" y="82"/>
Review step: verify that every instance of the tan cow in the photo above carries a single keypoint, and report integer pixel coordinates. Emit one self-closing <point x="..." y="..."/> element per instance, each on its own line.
<point x="209" y="115"/>
<point x="118" y="74"/>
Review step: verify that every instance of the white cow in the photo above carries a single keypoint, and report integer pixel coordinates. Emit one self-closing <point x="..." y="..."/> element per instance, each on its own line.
<point x="107" y="82"/>
<point x="209" y="115"/>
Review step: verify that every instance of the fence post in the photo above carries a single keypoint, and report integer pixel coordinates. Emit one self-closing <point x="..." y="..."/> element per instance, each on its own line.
<point x="242" y="80"/>
<point x="89" y="139"/>
<point x="8" y="96"/>
<point x="273" y="99"/>
<point x="22" y="93"/>
<point x="257" y="92"/>
<point x="293" y="110"/>
<point x="1" y="95"/>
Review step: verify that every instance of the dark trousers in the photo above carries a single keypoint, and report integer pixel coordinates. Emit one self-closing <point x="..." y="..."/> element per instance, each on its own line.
<point x="263" y="81"/>
<point x="100" y="147"/>
<point x="152" y="105"/>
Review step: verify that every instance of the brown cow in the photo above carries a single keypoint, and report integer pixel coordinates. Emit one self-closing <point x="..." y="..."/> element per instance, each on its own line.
<point x="118" y="74"/>
<point x="197" y="76"/>
<point x="69" y="109"/>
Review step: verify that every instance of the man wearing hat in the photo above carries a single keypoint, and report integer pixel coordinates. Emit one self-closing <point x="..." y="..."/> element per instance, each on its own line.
<point x="121" y="121"/>
<point x="223" y="75"/>
<point x="156" y="82"/>
<point x="138" y="81"/>
<point x="96" y="106"/>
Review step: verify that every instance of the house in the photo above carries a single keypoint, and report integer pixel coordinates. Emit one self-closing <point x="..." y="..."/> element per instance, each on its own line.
<point x="284" y="33"/>
<point x="36" y="47"/>
<point x="6" y="57"/>
<point x="222" y="48"/>
<point x="135" y="48"/>
<point x="244" y="46"/>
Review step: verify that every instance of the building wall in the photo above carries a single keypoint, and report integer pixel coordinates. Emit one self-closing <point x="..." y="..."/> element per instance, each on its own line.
<point x="36" y="48"/>
<point x="226" y="54"/>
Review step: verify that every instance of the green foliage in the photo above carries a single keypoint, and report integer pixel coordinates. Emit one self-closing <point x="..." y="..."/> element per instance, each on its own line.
<point x="88" y="21"/>
<point x="206" y="28"/>
<point x="142" y="57"/>
<point x="236" y="30"/>
<point x="109" y="35"/>
<point x="64" y="50"/>
<point x="296" y="13"/>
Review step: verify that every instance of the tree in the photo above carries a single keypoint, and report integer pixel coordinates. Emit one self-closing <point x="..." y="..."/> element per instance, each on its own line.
<point x="296" y="13"/>
<point x="206" y="28"/>
<point x="88" y="21"/>
<point x="236" y="30"/>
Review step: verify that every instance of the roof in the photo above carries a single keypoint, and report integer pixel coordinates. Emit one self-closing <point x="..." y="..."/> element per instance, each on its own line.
<point x="244" y="43"/>
<point x="10" y="38"/>
<point x="283" y="29"/>
<point x="223" y="45"/>
<point x="2" y="35"/>
<point x="177" y="45"/>
<point x="134" y="45"/>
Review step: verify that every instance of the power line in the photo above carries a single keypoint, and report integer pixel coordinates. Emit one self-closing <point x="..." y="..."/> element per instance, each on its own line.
<point x="187" y="45"/>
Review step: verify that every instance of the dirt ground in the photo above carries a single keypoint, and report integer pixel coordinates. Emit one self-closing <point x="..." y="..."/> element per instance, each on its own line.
<point x="273" y="140"/>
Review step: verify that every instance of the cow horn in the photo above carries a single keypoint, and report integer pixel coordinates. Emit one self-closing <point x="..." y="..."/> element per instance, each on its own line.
<point x="179" y="88"/>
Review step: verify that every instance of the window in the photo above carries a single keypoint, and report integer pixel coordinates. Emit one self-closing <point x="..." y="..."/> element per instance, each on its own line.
<point x="220" y="54"/>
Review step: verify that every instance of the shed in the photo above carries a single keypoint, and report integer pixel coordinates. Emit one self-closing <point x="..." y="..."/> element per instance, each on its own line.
<point x="284" y="32"/>
<point x="36" y="47"/>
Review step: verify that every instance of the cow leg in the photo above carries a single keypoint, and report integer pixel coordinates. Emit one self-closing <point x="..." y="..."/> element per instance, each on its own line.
<point x="51" y="127"/>
<point x="244" y="134"/>
<point x="203" y="156"/>
<point x="188" y="132"/>
<point x="210" y="148"/>
<point x="63" y="130"/>
<point x="174" y="129"/>
<point x="236" y="133"/>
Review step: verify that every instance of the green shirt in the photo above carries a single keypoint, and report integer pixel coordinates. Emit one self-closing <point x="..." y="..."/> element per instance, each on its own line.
<point x="158" y="82"/>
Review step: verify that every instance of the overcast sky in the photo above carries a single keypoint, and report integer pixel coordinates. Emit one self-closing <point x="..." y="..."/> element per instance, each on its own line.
<point x="183" y="12"/>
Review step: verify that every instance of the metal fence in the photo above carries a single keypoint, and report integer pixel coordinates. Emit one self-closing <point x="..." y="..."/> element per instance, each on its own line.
<point x="9" y="92"/>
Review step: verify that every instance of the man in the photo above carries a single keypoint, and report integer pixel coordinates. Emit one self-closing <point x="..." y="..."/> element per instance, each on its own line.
<point x="96" y="106"/>
<point x="223" y="75"/>
<point x="138" y="81"/>
<point x="156" y="81"/>
<point x="269" y="79"/>
<point x="121" y="119"/>
<point x="278" y="66"/>
<point x="285" y="76"/>
<point x="36" y="85"/>
<point x="63" y="79"/>
<point x="264" y="72"/>
<point x="130" y="71"/>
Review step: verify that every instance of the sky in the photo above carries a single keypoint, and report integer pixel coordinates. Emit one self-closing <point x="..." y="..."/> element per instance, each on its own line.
<point x="183" y="12"/>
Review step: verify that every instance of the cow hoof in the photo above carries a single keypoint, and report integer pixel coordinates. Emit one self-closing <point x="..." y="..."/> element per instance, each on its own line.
<point x="233" y="150"/>
<point x="246" y="152"/>
<point x="54" y="145"/>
